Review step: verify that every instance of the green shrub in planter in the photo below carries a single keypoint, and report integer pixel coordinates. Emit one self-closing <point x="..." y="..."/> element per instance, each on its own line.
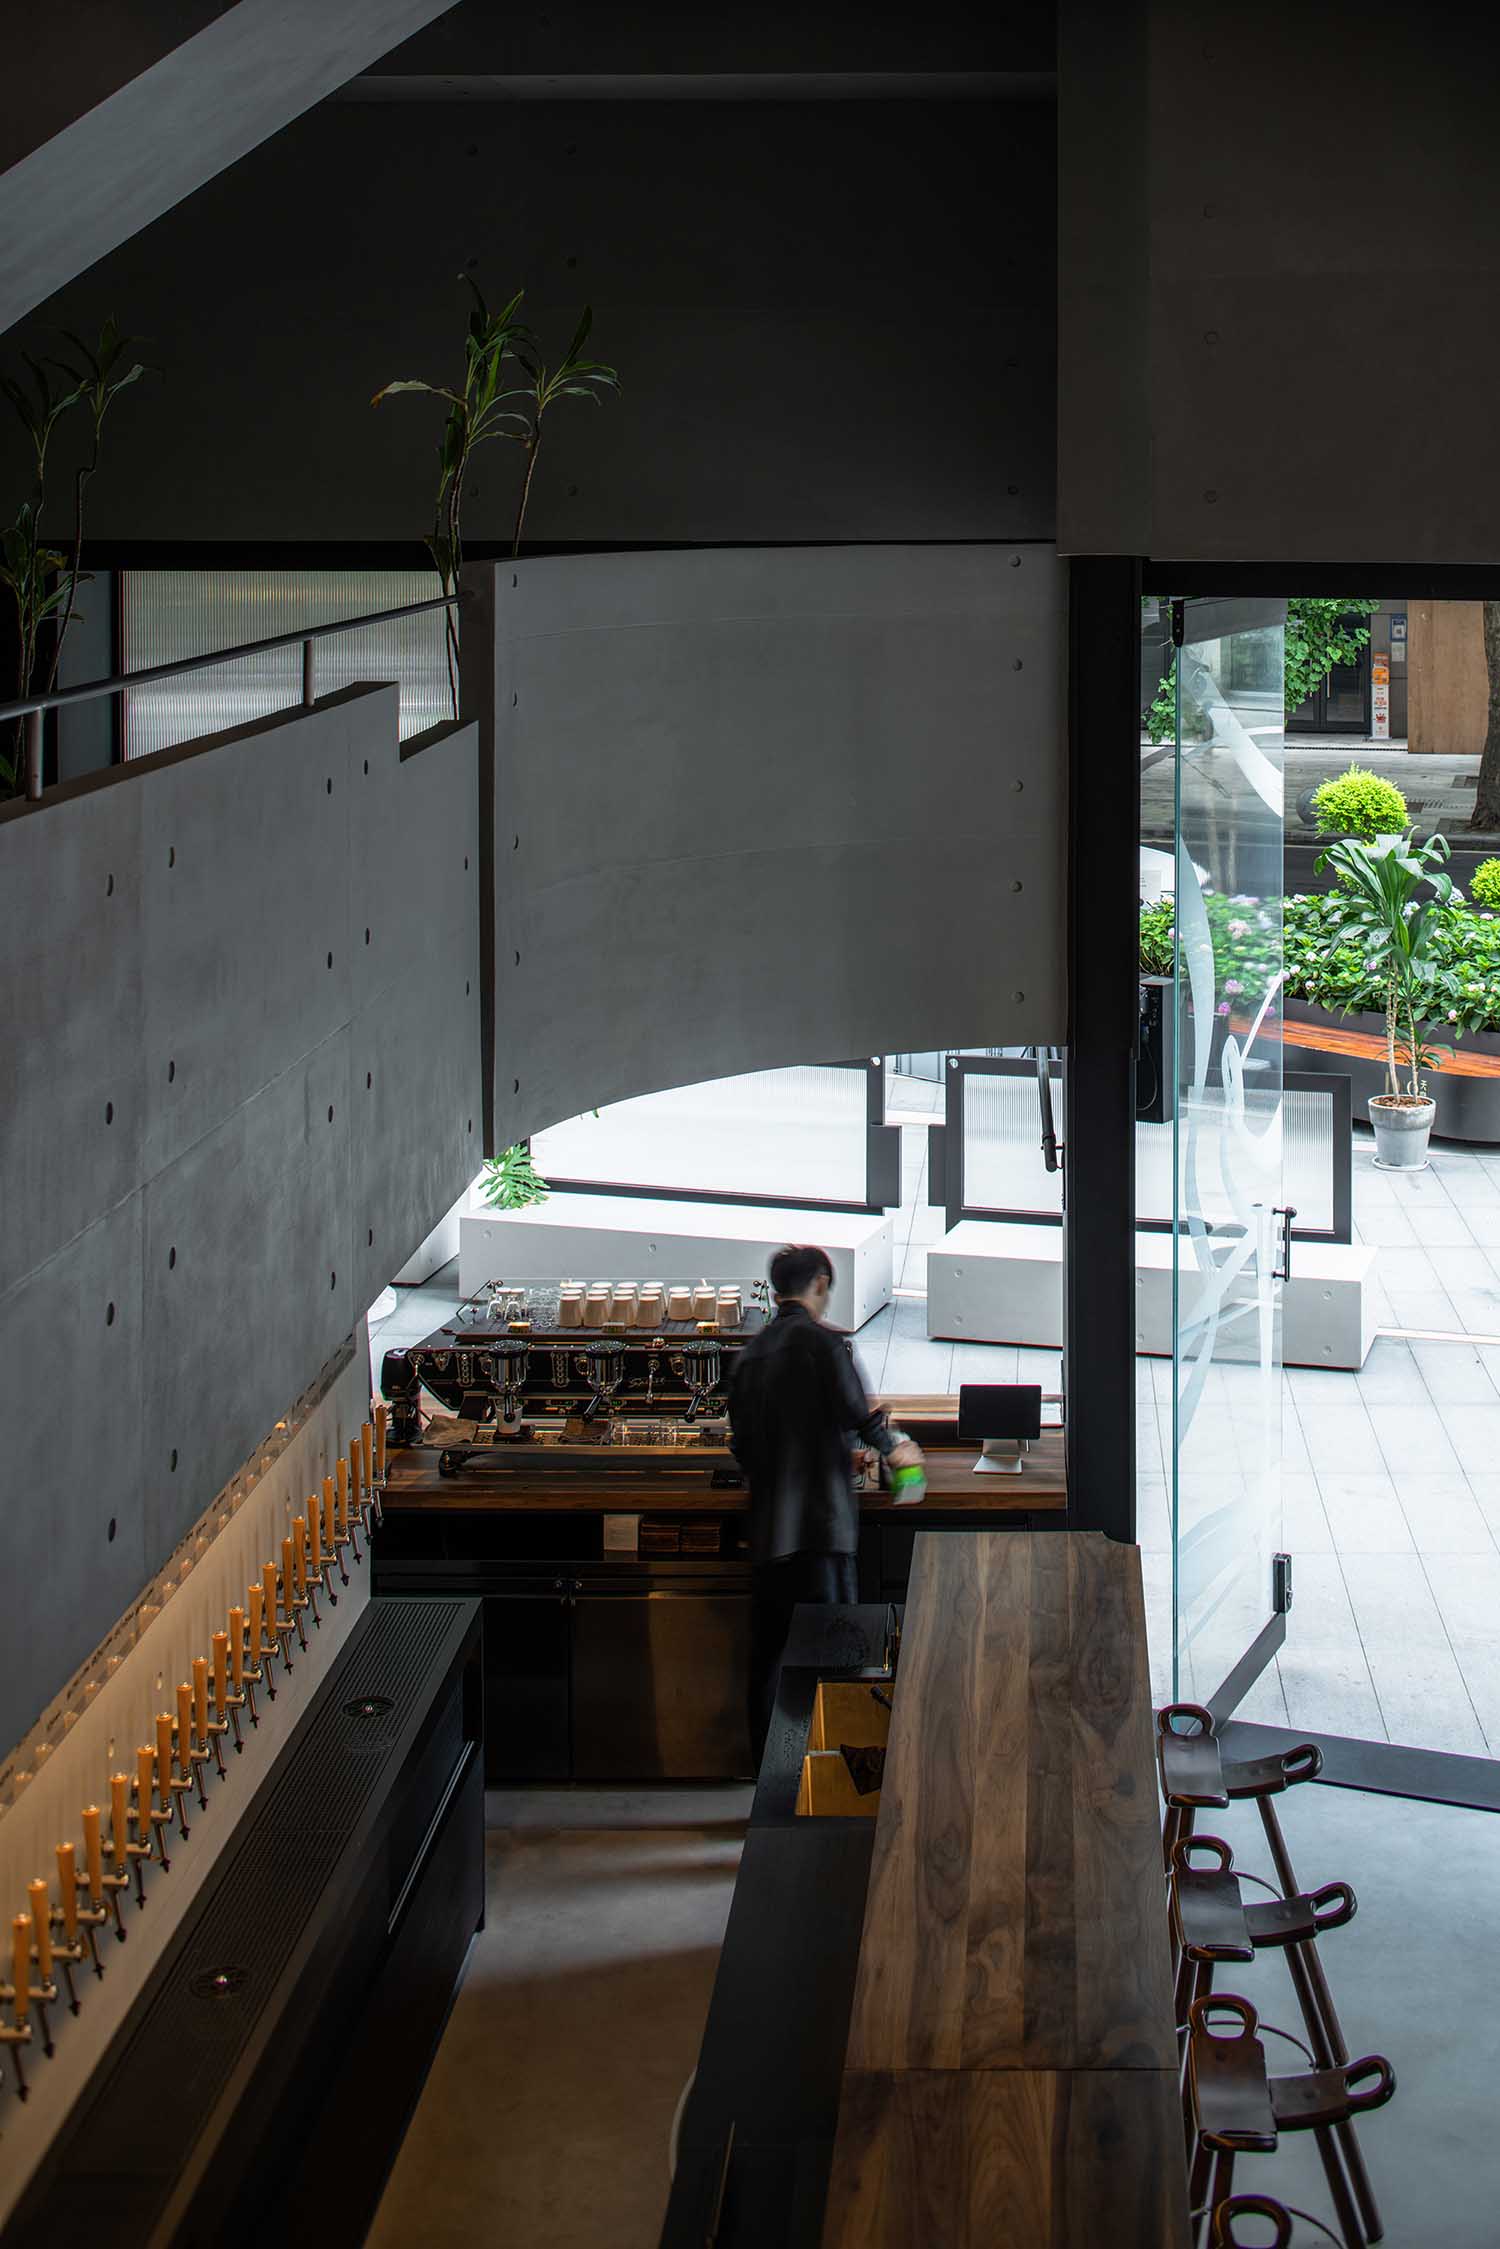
<point x="1484" y="888"/>
<point x="1359" y="803"/>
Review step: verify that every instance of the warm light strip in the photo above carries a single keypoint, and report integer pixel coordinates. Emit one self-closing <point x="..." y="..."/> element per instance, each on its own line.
<point x="138" y="1769"/>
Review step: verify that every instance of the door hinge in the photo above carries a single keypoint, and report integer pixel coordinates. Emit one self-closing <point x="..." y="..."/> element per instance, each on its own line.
<point x="1281" y="1583"/>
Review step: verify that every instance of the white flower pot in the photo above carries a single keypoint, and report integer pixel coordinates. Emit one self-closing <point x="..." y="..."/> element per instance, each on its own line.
<point x="1401" y="1127"/>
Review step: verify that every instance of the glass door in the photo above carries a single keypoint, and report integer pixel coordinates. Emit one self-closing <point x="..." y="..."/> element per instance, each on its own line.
<point x="1230" y="1225"/>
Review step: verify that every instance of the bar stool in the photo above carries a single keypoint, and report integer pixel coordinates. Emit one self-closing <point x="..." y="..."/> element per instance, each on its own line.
<point x="1239" y="2109"/>
<point x="1212" y="1925"/>
<point x="1196" y="1776"/>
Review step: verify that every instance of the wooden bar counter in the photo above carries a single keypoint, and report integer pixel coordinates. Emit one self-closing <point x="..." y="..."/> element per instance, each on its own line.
<point x="1011" y="2069"/>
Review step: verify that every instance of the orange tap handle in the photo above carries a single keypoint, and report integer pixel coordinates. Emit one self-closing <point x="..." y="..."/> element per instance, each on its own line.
<point x="185" y="1728"/>
<point x="164" y="1758"/>
<point x="237" y="1650"/>
<point x="220" y="1646"/>
<point x="41" y="1926"/>
<point x="287" y="1572"/>
<point x="299" y="1553"/>
<point x="200" y="1700"/>
<point x="353" y="1472"/>
<point x="380" y="1422"/>
<point x="257" y="1619"/>
<point x="328" y="1513"/>
<point x="268" y="1589"/>
<point x="20" y="1956"/>
<point x="92" y="1856"/>
<point x="67" y="1890"/>
<point x="145" y="1790"/>
<point x="366" y="1440"/>
<point x="341" y="1471"/>
<point x="314" y="1536"/>
<point x="119" y="1818"/>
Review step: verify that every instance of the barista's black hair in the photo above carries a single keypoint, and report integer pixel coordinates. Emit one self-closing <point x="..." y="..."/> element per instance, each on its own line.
<point x="796" y="1268"/>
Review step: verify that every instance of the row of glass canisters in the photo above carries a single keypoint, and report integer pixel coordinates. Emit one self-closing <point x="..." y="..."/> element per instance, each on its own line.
<point x="646" y="1304"/>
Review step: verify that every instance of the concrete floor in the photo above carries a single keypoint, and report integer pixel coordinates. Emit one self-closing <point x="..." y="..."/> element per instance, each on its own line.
<point x="546" y="2117"/>
<point x="1410" y="1978"/>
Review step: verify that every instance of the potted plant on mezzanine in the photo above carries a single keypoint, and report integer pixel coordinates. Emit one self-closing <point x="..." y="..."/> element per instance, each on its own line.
<point x="1391" y="890"/>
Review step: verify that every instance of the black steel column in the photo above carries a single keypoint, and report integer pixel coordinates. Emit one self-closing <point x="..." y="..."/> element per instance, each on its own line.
<point x="1104" y="824"/>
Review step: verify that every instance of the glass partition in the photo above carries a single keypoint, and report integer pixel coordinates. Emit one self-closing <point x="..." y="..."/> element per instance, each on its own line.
<point x="1227" y="1137"/>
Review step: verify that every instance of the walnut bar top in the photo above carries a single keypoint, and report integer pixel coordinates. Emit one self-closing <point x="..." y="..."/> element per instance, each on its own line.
<point x="1011" y="2046"/>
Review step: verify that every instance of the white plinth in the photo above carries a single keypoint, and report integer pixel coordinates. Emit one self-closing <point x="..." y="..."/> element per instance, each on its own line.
<point x="991" y="1283"/>
<point x="628" y="1238"/>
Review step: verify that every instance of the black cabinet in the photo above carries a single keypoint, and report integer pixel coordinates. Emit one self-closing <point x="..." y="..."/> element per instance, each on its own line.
<point x="527" y="1684"/>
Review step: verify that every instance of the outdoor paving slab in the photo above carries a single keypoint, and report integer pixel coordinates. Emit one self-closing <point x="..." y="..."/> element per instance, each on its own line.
<point x="1429" y="1311"/>
<point x="1457" y="1373"/>
<point x="1412" y="1438"/>
<point x="1473" y="1431"/>
<point x="1305" y="1528"/>
<point x="1444" y="1523"/>
<point x="1342" y="1439"/>
<point x="1372" y="1522"/>
<point x="1467" y="1590"/>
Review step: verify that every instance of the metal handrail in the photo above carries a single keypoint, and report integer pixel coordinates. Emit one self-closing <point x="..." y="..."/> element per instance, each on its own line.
<point x="34" y="708"/>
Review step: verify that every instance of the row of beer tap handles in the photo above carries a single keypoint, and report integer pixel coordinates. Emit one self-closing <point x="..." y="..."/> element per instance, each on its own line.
<point x="53" y="1935"/>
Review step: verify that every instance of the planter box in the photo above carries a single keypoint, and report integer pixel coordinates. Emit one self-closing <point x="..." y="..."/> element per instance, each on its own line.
<point x="1468" y="1109"/>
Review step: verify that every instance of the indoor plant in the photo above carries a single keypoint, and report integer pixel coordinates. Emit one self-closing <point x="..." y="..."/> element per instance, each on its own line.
<point x="511" y="1182"/>
<point x="1392" y="890"/>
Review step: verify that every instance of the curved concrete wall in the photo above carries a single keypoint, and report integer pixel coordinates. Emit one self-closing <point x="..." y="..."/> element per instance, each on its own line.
<point x="761" y="806"/>
<point x="242" y="1031"/>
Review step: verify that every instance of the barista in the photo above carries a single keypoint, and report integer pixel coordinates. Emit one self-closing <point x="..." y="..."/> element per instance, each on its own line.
<point x="797" y="1406"/>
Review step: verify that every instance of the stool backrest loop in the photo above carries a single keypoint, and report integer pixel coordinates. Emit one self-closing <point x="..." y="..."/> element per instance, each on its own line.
<point x="1332" y="1906"/>
<point x="1184" y="1719"/>
<point x="1375" y="2074"/>
<point x="1305" y="1762"/>
<point x="1227" y="2235"/>
<point x="1186" y="1845"/>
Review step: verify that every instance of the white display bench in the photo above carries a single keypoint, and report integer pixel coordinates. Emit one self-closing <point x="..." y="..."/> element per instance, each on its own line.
<point x="630" y="1238"/>
<point x="993" y="1283"/>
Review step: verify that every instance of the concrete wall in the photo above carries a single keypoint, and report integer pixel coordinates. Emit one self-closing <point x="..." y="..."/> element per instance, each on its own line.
<point x="1311" y="198"/>
<point x="757" y="807"/>
<point x="833" y="320"/>
<point x="241" y="1022"/>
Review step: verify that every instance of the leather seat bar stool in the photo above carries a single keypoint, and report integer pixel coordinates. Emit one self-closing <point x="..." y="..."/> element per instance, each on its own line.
<point x="1196" y="1776"/>
<point x="1238" y="2108"/>
<point x="1212" y="1925"/>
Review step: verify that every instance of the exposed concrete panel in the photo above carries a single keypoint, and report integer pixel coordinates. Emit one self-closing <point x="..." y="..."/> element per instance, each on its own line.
<point x="223" y="1212"/>
<point x="1319" y="384"/>
<point x="832" y="320"/>
<point x="72" y="1063"/>
<point x="772" y="806"/>
<point x="158" y="135"/>
<point x="245" y="890"/>
<point x="415" y="1085"/>
<point x="74" y="1510"/>
<point x="260" y="1294"/>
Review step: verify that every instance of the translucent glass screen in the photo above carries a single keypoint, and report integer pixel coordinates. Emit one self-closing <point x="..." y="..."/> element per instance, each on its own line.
<point x="169" y="614"/>
<point x="797" y="1135"/>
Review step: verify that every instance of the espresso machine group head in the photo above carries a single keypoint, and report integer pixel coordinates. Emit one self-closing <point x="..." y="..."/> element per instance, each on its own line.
<point x="604" y="1370"/>
<point x="702" y="1373"/>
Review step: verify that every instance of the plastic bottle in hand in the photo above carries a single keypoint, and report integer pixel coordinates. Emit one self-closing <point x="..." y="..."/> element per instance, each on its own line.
<point x="908" y="1485"/>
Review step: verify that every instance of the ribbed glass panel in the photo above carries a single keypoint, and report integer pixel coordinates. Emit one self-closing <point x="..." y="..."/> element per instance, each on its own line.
<point x="168" y="614"/>
<point x="797" y="1135"/>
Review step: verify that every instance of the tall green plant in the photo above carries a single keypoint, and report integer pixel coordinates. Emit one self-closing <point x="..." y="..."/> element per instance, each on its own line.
<point x="1392" y="890"/>
<point x="574" y="377"/>
<point x="480" y="411"/>
<point x="485" y="408"/>
<point x="41" y="579"/>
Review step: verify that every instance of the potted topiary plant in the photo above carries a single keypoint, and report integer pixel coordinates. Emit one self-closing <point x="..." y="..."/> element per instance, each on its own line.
<point x="1359" y="803"/>
<point x="1391" y="892"/>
